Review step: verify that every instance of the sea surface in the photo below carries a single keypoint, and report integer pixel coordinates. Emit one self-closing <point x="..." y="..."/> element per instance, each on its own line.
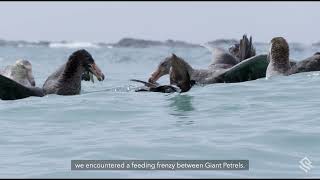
<point x="272" y="123"/>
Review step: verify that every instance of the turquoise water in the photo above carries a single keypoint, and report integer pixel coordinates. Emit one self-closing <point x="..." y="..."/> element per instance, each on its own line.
<point x="272" y="123"/>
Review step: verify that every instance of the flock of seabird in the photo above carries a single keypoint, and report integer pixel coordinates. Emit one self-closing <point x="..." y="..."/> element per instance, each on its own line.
<point x="238" y="64"/>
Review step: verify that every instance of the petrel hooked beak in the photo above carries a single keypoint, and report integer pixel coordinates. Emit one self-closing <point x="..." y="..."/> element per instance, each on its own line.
<point x="155" y="76"/>
<point x="95" y="70"/>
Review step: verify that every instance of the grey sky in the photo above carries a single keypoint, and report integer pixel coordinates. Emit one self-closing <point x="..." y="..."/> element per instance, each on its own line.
<point x="196" y="22"/>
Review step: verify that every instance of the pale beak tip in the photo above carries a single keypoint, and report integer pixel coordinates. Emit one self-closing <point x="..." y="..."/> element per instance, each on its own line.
<point x="101" y="78"/>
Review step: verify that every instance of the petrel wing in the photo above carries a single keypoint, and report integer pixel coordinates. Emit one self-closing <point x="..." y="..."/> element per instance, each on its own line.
<point x="11" y="90"/>
<point x="246" y="48"/>
<point x="249" y="69"/>
<point x="150" y="87"/>
<point x="148" y="84"/>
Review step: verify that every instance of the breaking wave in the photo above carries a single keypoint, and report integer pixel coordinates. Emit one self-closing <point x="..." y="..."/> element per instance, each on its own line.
<point x="73" y="45"/>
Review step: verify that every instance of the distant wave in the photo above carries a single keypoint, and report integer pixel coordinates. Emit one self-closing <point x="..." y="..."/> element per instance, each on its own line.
<point x="137" y="43"/>
<point x="73" y="45"/>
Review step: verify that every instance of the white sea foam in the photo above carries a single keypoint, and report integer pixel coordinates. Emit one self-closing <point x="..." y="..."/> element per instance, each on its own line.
<point x="73" y="45"/>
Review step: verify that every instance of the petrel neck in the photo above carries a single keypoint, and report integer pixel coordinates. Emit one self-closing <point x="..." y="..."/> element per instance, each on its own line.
<point x="187" y="66"/>
<point x="73" y="70"/>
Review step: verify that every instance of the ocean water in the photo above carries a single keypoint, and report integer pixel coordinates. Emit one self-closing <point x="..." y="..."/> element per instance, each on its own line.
<point x="273" y="123"/>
